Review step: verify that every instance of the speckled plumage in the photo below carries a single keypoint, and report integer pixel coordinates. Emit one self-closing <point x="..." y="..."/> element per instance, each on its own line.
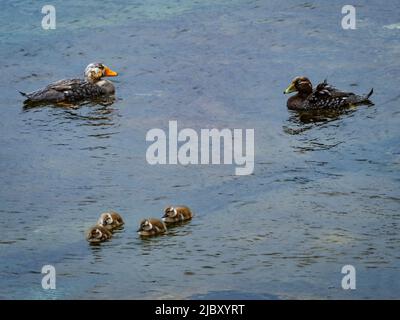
<point x="323" y="97"/>
<point x="68" y="90"/>
<point x="73" y="90"/>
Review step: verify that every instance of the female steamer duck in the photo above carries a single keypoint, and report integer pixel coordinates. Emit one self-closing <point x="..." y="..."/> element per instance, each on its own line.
<point x="323" y="97"/>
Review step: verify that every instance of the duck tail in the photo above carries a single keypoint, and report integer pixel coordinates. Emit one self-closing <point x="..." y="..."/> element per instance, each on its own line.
<point x="364" y="99"/>
<point x="370" y="93"/>
<point x="23" y="93"/>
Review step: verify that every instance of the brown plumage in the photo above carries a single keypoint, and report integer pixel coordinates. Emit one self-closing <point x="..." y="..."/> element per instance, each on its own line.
<point x="177" y="214"/>
<point x="323" y="97"/>
<point x="110" y="220"/>
<point x="151" y="227"/>
<point x="97" y="234"/>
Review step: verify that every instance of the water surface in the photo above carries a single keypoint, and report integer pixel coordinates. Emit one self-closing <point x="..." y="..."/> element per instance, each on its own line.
<point x="322" y="194"/>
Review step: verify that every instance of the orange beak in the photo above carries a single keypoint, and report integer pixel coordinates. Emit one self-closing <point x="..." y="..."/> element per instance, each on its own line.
<point x="109" y="73"/>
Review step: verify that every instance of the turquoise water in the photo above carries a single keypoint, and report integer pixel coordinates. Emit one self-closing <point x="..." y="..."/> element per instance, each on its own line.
<point x="322" y="195"/>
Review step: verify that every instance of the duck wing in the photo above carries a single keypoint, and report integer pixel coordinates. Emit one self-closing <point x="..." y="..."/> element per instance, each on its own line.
<point x="326" y="96"/>
<point x="77" y="89"/>
<point x="55" y="92"/>
<point x="66" y="84"/>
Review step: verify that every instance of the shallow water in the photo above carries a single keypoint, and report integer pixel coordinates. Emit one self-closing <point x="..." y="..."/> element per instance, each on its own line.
<point x="322" y="195"/>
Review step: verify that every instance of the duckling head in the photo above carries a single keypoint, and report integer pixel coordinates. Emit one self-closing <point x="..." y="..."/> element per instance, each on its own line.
<point x="169" y="213"/>
<point x="95" y="71"/>
<point x="299" y="84"/>
<point x="105" y="220"/>
<point x="145" y="225"/>
<point x="94" y="235"/>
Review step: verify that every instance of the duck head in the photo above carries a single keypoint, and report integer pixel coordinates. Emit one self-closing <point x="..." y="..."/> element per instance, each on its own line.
<point x="169" y="212"/>
<point x="97" y="234"/>
<point x="302" y="85"/>
<point x="95" y="71"/>
<point x="106" y="219"/>
<point x="145" y="225"/>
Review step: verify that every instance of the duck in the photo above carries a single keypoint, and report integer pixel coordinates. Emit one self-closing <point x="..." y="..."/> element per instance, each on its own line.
<point x="151" y="227"/>
<point x="97" y="234"/>
<point x="110" y="220"/>
<point x="92" y="86"/>
<point x="323" y="97"/>
<point x="177" y="214"/>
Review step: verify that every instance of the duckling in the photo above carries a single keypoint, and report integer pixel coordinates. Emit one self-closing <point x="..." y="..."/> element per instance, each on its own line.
<point x="151" y="227"/>
<point x="177" y="214"/>
<point x="97" y="234"/>
<point x="323" y="97"/>
<point x="72" y="90"/>
<point x="110" y="220"/>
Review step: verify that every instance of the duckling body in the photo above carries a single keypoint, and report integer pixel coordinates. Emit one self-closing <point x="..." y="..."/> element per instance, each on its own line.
<point x="323" y="97"/>
<point x="151" y="227"/>
<point x="73" y="90"/>
<point x="97" y="234"/>
<point x="110" y="220"/>
<point x="177" y="214"/>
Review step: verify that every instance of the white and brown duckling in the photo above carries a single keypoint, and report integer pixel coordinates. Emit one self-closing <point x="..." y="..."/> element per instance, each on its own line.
<point x="151" y="227"/>
<point x="110" y="220"/>
<point x="323" y="97"/>
<point x="97" y="234"/>
<point x="72" y="90"/>
<point x="177" y="214"/>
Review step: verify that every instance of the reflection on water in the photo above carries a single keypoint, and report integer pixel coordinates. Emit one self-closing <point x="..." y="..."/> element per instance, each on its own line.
<point x="92" y="113"/>
<point x="103" y="101"/>
<point x="305" y="120"/>
<point x="322" y="116"/>
<point x="325" y="188"/>
<point x="301" y="122"/>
